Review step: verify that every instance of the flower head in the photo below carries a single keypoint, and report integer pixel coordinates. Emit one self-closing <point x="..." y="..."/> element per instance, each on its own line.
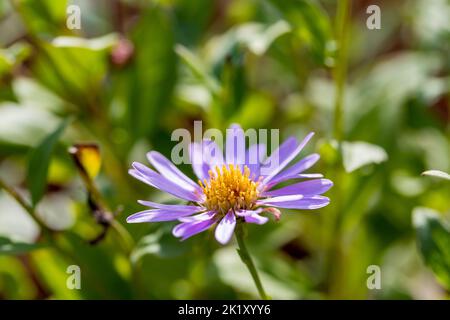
<point x="231" y="189"/>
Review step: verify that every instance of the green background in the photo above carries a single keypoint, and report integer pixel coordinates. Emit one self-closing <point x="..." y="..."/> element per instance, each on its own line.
<point x="378" y="101"/>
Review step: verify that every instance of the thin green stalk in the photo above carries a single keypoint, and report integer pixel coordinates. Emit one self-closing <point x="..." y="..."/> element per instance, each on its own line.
<point x="340" y="70"/>
<point x="21" y="201"/>
<point x="121" y="232"/>
<point x="333" y="230"/>
<point x="128" y="242"/>
<point x="47" y="233"/>
<point x="247" y="260"/>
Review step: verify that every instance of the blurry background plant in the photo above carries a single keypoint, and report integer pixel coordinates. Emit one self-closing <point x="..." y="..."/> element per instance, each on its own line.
<point x="138" y="69"/>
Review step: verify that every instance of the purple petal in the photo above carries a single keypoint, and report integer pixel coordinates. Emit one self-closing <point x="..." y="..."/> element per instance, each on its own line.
<point x="188" y="229"/>
<point x="253" y="159"/>
<point x="282" y="152"/>
<point x="212" y="154"/>
<point x="310" y="175"/>
<point x="156" y="215"/>
<point x="198" y="217"/>
<point x="204" y="159"/>
<point x="154" y="179"/>
<point x="225" y="229"/>
<point x="287" y="158"/>
<point x="244" y="213"/>
<point x="252" y="216"/>
<point x="171" y="172"/>
<point x="302" y="165"/>
<point x="296" y="202"/>
<point x="274" y="181"/>
<point x="305" y="188"/>
<point x="256" y="218"/>
<point x="235" y="145"/>
<point x="174" y="207"/>
<point x="196" y="155"/>
<point x="137" y="175"/>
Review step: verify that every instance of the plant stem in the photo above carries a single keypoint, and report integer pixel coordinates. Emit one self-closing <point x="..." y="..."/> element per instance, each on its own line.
<point x="46" y="232"/>
<point x="21" y="201"/>
<point x="333" y="239"/>
<point x="247" y="260"/>
<point x="340" y="71"/>
<point x="124" y="235"/>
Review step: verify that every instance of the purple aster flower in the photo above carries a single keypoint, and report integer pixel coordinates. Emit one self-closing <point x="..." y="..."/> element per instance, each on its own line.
<point x="231" y="188"/>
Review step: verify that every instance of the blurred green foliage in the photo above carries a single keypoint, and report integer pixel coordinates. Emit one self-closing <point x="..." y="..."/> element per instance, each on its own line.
<point x="138" y="69"/>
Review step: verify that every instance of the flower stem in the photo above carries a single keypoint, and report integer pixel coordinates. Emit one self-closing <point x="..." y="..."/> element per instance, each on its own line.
<point x="247" y="260"/>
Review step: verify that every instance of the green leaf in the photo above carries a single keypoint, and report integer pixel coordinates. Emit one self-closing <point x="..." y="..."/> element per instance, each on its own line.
<point x="358" y="154"/>
<point x="311" y="25"/>
<point x="233" y="272"/>
<point x="14" y="248"/>
<point x="31" y="94"/>
<point x="256" y="37"/>
<point x="51" y="267"/>
<point x="437" y="174"/>
<point x="198" y="68"/>
<point x="161" y="244"/>
<point x="97" y="44"/>
<point x="15" y="280"/>
<point x="24" y="126"/>
<point x="256" y="103"/>
<point x="74" y="68"/>
<point x="42" y="17"/>
<point x="12" y="56"/>
<point x="149" y="80"/>
<point x="39" y="163"/>
<point x="105" y="271"/>
<point x="433" y="238"/>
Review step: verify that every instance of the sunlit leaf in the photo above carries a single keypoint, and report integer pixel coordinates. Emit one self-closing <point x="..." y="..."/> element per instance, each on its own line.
<point x="197" y="67"/>
<point x="24" y="126"/>
<point x="255" y="104"/>
<point x="15" y="222"/>
<point x="433" y="31"/>
<point x="256" y="37"/>
<point x="233" y="272"/>
<point x="161" y="244"/>
<point x="32" y="94"/>
<point x="358" y="154"/>
<point x="437" y="174"/>
<point x="96" y="44"/>
<point x="74" y="68"/>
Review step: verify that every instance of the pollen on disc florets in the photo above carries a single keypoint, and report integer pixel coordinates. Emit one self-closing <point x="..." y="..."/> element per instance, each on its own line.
<point x="229" y="188"/>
